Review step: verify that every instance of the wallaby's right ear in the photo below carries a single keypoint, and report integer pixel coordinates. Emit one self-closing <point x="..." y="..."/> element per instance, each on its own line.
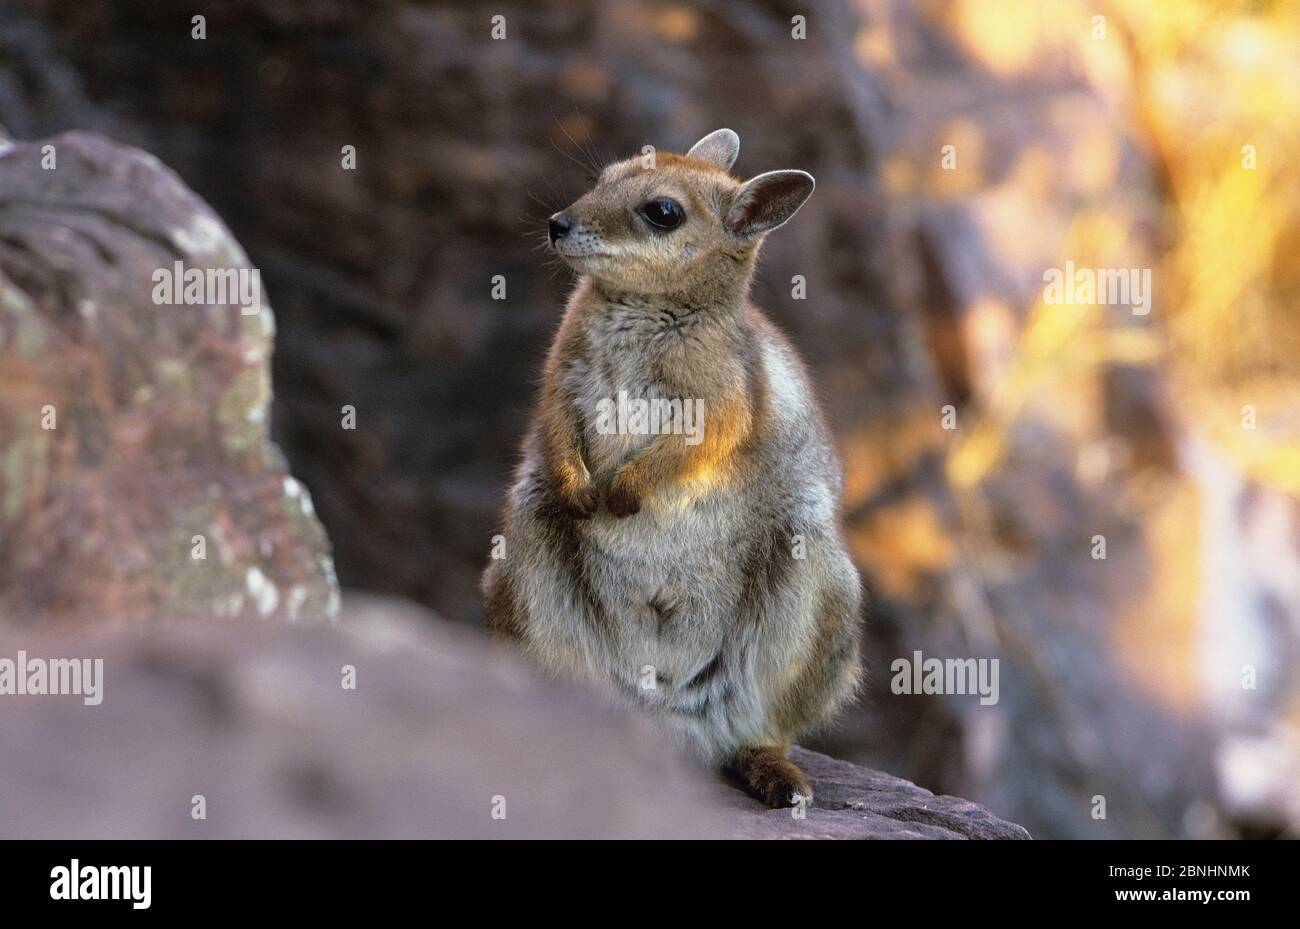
<point x="721" y="146"/>
<point x="764" y="202"/>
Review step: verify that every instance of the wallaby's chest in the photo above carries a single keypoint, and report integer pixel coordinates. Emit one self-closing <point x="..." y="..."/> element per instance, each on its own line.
<point x="637" y="378"/>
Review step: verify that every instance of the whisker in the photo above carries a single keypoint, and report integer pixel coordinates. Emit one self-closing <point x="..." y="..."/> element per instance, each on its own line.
<point x="585" y="168"/>
<point x="592" y="164"/>
<point x="591" y="152"/>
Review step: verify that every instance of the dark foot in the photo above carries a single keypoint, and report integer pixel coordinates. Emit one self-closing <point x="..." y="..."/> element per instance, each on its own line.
<point x="772" y="777"/>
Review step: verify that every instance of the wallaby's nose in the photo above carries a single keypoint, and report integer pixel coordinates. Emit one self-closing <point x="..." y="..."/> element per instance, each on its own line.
<point x="560" y="225"/>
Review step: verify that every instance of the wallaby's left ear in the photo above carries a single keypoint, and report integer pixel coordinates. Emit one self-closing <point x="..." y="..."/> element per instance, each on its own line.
<point x="768" y="200"/>
<point x="721" y="146"/>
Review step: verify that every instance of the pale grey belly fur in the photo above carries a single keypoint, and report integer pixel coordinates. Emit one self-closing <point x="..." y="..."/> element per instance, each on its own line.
<point x="668" y="626"/>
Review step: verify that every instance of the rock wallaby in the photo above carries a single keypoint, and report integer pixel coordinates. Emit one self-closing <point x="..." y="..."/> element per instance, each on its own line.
<point x="673" y="533"/>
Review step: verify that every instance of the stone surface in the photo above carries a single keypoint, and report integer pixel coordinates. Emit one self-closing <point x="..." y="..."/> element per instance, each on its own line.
<point x="254" y="718"/>
<point x="853" y="802"/>
<point x="135" y="436"/>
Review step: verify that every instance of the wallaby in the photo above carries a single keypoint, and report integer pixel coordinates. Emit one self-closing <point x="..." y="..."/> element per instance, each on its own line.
<point x="673" y="530"/>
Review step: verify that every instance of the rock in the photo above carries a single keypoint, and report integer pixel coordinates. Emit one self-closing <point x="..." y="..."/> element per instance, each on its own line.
<point x="853" y="802"/>
<point x="440" y="731"/>
<point x="137" y="477"/>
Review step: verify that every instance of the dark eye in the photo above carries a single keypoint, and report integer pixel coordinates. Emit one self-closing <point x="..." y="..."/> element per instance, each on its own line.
<point x="662" y="212"/>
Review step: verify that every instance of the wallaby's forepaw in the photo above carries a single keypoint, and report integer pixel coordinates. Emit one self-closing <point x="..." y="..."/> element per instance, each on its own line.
<point x="623" y="498"/>
<point x="576" y="491"/>
<point x="773" y="778"/>
<point x="581" y="499"/>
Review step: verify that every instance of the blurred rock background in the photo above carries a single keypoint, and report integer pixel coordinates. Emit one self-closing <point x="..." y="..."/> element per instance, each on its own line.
<point x="1121" y="142"/>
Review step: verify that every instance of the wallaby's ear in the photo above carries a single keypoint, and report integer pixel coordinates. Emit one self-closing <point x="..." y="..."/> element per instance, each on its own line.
<point x="767" y="201"/>
<point x="720" y="147"/>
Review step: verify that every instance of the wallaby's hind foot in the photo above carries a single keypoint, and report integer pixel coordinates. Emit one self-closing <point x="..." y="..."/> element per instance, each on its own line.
<point x="772" y="777"/>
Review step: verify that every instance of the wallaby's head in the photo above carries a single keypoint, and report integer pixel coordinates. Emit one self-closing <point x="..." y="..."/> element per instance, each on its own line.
<point x="661" y="222"/>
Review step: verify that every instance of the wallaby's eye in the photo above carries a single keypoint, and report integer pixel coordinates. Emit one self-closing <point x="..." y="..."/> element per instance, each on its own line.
<point x="662" y="212"/>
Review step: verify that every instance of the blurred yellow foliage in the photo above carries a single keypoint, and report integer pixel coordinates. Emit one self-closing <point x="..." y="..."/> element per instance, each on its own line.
<point x="1060" y="344"/>
<point x="1001" y="34"/>
<point x="1214" y="91"/>
<point x="1219" y="92"/>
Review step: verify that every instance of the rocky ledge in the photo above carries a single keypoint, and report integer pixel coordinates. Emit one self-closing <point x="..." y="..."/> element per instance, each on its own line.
<point x="853" y="802"/>
<point x="390" y="724"/>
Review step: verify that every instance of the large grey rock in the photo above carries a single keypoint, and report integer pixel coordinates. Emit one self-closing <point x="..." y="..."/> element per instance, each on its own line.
<point x="441" y="731"/>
